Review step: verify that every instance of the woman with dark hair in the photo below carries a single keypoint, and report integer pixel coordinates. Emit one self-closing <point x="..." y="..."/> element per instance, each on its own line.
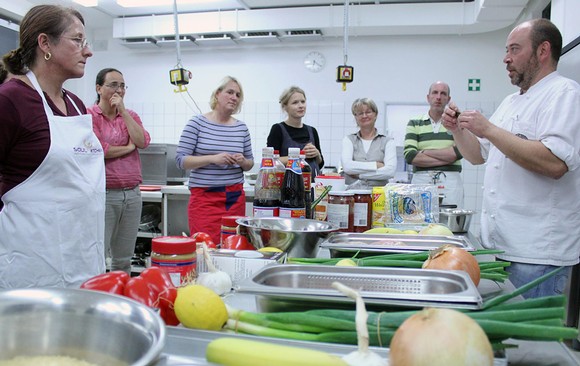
<point x="120" y="132"/>
<point x="51" y="163"/>
<point x="217" y="148"/>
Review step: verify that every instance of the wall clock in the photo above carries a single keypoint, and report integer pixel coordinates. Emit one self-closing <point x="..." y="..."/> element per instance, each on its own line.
<point x="314" y="61"/>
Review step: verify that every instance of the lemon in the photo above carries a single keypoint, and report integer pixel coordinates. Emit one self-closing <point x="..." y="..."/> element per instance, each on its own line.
<point x="270" y="249"/>
<point x="410" y="232"/>
<point x="198" y="307"/>
<point x="346" y="263"/>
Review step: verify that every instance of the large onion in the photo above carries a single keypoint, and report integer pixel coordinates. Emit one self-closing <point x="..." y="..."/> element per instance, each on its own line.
<point x="440" y="337"/>
<point x="449" y="257"/>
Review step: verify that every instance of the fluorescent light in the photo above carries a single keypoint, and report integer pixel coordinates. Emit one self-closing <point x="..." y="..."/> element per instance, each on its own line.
<point x="87" y="3"/>
<point x="146" y="3"/>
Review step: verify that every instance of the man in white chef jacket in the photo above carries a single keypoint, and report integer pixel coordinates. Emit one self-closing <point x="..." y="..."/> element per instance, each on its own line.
<point x="531" y="193"/>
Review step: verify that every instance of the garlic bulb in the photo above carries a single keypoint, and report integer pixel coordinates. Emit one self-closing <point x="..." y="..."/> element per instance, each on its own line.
<point x="218" y="281"/>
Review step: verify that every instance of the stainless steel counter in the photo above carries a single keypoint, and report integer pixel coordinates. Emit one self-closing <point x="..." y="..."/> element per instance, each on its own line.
<point x="187" y="346"/>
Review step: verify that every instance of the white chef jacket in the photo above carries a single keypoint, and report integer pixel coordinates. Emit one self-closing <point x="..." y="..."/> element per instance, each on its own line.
<point x="52" y="225"/>
<point x="533" y="218"/>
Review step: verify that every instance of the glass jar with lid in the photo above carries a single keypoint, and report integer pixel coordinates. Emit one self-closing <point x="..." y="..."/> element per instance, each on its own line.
<point x="340" y="210"/>
<point x="363" y="209"/>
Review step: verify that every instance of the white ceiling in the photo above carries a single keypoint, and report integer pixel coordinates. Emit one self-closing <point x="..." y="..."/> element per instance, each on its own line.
<point x="111" y="8"/>
<point x="239" y="18"/>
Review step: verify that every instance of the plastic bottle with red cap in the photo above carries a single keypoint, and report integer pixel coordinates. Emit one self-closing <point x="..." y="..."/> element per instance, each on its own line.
<point x="267" y="189"/>
<point x="292" y="203"/>
<point x="307" y="177"/>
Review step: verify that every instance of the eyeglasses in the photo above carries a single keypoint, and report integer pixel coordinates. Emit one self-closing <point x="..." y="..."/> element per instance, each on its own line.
<point x="81" y="42"/>
<point x="116" y="86"/>
<point x="365" y="113"/>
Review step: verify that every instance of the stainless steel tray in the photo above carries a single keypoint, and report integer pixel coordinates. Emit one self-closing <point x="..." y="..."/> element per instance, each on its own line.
<point x="408" y="287"/>
<point x="186" y="347"/>
<point x="390" y="243"/>
<point x="415" y="227"/>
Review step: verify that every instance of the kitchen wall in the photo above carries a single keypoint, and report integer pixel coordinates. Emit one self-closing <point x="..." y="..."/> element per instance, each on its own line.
<point x="391" y="70"/>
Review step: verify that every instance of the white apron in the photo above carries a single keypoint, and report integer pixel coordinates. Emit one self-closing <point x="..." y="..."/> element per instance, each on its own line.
<point x="449" y="184"/>
<point x="52" y="224"/>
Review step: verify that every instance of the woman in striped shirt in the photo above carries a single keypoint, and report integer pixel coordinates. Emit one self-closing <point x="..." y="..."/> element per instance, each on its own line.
<point x="217" y="148"/>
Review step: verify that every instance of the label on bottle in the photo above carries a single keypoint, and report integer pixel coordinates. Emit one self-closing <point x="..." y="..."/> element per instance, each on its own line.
<point x="307" y="182"/>
<point x="294" y="165"/>
<point x="338" y="214"/>
<point x="360" y="214"/>
<point x="293" y="213"/>
<point x="266" y="211"/>
<point x="267" y="163"/>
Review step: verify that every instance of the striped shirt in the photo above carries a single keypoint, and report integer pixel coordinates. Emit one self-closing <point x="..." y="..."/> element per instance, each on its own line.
<point x="203" y="137"/>
<point x="420" y="136"/>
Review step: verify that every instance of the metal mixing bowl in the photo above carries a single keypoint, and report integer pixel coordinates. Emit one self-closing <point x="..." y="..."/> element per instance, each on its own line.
<point x="458" y="220"/>
<point x="300" y="238"/>
<point x="97" y="327"/>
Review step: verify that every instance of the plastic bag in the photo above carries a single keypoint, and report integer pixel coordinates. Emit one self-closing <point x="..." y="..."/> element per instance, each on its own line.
<point x="411" y="203"/>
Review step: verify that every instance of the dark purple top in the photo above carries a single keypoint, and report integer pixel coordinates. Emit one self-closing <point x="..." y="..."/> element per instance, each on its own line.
<point x="24" y="131"/>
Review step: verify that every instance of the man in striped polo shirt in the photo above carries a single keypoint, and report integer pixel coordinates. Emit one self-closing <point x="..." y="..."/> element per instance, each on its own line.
<point x="432" y="151"/>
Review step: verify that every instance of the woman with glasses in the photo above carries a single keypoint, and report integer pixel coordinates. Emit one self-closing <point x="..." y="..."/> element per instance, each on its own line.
<point x="217" y="148"/>
<point x="52" y="171"/>
<point x="120" y="132"/>
<point x="368" y="156"/>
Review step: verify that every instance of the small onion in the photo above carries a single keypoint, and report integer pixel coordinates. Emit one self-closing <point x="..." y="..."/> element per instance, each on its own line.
<point x="440" y="337"/>
<point x="448" y="257"/>
<point x="436" y="229"/>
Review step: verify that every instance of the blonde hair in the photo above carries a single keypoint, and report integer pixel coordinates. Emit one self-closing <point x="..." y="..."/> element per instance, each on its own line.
<point x="221" y="87"/>
<point x="366" y="102"/>
<point x="287" y="94"/>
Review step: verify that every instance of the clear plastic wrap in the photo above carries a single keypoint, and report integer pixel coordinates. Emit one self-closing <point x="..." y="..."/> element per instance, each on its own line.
<point x="411" y="203"/>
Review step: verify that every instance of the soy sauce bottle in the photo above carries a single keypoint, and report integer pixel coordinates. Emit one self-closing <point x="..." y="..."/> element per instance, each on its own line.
<point x="307" y="176"/>
<point x="292" y="203"/>
<point x="266" y="190"/>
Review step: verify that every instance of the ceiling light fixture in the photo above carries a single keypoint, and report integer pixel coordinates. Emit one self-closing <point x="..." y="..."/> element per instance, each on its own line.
<point x="87" y="3"/>
<point x="146" y="3"/>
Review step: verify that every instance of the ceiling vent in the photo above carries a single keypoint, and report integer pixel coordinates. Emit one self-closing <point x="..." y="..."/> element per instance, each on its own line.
<point x="184" y="41"/>
<point x="259" y="37"/>
<point x="301" y="35"/>
<point x="141" y="43"/>
<point x="215" y="39"/>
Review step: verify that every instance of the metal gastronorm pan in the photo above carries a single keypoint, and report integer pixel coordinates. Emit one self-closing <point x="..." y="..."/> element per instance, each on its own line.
<point x="387" y="243"/>
<point x="379" y="286"/>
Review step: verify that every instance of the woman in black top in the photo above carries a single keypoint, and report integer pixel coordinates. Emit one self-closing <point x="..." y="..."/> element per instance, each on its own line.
<point x="293" y="133"/>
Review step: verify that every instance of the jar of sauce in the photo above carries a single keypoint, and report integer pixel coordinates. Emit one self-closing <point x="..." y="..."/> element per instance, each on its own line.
<point x="176" y="255"/>
<point x="229" y="227"/>
<point x="340" y="210"/>
<point x="363" y="210"/>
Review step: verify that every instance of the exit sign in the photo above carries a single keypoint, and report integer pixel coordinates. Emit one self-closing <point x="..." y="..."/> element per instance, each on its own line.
<point x="473" y="84"/>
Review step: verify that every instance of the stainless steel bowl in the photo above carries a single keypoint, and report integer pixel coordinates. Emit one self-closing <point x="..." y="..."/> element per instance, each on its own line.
<point x="92" y="326"/>
<point x="299" y="238"/>
<point x="458" y="220"/>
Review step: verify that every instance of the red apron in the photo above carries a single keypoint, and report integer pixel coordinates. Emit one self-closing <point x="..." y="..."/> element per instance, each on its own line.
<point x="207" y="206"/>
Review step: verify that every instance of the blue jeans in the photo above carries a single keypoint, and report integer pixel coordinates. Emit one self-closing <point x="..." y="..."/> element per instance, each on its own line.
<point x="523" y="273"/>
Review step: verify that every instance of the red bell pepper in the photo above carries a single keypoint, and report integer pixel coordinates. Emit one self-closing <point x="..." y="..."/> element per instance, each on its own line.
<point x="201" y="237"/>
<point x="113" y="282"/>
<point x="237" y="242"/>
<point x="153" y="287"/>
<point x="138" y="288"/>
<point x="165" y="302"/>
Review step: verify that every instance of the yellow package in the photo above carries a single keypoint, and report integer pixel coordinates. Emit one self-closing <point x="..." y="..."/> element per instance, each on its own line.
<point x="379" y="218"/>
